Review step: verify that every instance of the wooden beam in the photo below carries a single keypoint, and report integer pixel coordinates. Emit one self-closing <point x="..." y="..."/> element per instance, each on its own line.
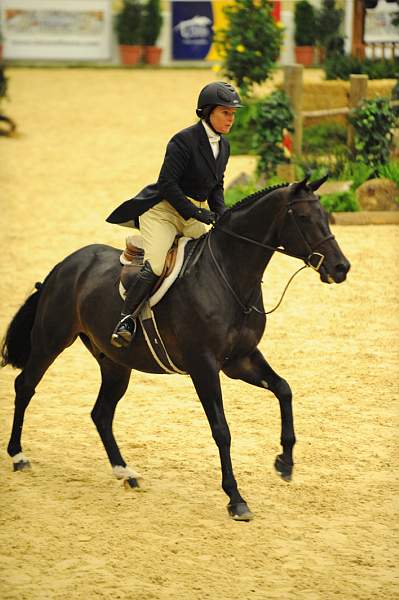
<point x="359" y="15"/>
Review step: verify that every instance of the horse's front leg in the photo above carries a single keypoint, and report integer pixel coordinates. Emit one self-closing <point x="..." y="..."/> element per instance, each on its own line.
<point x="255" y="370"/>
<point x="207" y="384"/>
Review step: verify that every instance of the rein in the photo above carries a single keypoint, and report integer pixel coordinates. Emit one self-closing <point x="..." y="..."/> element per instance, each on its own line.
<point x="247" y="309"/>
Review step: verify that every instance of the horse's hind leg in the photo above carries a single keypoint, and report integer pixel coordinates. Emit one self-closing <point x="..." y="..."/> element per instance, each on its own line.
<point x="254" y="369"/>
<point x="25" y="385"/>
<point x="115" y="379"/>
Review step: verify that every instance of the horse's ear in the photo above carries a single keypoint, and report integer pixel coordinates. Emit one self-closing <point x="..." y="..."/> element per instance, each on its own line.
<point x="299" y="185"/>
<point x="314" y="185"/>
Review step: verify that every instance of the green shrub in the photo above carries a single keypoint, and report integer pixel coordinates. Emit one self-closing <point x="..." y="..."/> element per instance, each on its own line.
<point x="357" y="173"/>
<point x="128" y="23"/>
<point x="241" y="136"/>
<point x="342" y="66"/>
<point x="305" y="24"/>
<point x="152" y="22"/>
<point x="325" y="138"/>
<point x="390" y="171"/>
<point x="237" y="192"/>
<point x="250" y="44"/>
<point x="340" y="202"/>
<point x="334" y="164"/>
<point x="329" y="19"/>
<point x="274" y="115"/>
<point x="373" y="122"/>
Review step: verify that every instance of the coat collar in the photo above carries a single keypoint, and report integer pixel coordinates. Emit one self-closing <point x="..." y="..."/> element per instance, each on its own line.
<point x="206" y="150"/>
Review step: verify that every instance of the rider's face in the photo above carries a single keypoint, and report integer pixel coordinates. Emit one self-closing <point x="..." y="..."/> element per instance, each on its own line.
<point x="222" y="118"/>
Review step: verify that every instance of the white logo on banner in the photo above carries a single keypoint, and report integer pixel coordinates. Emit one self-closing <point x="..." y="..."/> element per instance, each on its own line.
<point x="197" y="27"/>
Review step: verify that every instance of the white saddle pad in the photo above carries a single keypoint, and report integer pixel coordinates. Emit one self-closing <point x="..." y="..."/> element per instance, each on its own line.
<point x="170" y="279"/>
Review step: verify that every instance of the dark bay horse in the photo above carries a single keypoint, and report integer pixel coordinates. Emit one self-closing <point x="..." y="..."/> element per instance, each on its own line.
<point x="211" y="320"/>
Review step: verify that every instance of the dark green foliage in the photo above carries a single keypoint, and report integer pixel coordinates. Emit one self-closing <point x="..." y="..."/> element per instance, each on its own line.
<point x="250" y="44"/>
<point x="241" y="137"/>
<point x="373" y="122"/>
<point x="342" y="66"/>
<point x="238" y="192"/>
<point x="390" y="171"/>
<point x="395" y="96"/>
<point x="305" y="24"/>
<point x="340" y="202"/>
<point x="128" y="23"/>
<point x="328" y="23"/>
<point x="273" y="116"/>
<point x="324" y="138"/>
<point x="152" y="22"/>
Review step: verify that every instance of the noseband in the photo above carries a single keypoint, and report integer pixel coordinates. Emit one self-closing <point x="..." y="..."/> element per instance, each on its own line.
<point x="306" y="257"/>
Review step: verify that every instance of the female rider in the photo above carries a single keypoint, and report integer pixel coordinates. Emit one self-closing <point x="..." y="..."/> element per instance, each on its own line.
<point x="187" y="198"/>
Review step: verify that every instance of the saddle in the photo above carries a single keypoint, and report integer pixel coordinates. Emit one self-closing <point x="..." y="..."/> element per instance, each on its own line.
<point x="181" y="257"/>
<point x="132" y="259"/>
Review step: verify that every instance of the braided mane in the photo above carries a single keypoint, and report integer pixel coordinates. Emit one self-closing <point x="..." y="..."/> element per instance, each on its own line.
<point x="255" y="196"/>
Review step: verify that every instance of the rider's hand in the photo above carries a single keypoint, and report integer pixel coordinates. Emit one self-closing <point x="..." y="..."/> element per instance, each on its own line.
<point x="205" y="216"/>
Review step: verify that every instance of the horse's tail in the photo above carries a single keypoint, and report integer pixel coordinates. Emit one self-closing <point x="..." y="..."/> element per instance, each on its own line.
<point x="15" y="347"/>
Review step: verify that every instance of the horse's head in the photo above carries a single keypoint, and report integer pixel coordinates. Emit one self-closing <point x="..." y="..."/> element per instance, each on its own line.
<point x="306" y="232"/>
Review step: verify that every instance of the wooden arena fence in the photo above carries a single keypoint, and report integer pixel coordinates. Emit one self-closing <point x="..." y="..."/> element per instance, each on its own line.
<point x="293" y="86"/>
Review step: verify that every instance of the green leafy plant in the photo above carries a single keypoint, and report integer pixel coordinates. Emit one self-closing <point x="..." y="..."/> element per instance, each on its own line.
<point x="328" y="23"/>
<point x="241" y="136"/>
<point x="151" y="22"/>
<point x="340" y="202"/>
<point x="357" y="173"/>
<point x="274" y="115"/>
<point x="373" y="122"/>
<point x="237" y="192"/>
<point x="390" y="171"/>
<point x="324" y="138"/>
<point x="250" y="44"/>
<point x="342" y="66"/>
<point x="128" y="23"/>
<point x="305" y="24"/>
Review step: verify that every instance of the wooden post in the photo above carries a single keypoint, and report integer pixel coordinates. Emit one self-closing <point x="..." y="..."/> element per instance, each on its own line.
<point x="357" y="93"/>
<point x="293" y="87"/>
<point x="359" y="14"/>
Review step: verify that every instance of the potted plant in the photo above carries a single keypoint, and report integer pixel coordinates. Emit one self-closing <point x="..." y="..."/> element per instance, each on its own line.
<point x="329" y="19"/>
<point x="151" y="27"/>
<point x="305" y="32"/>
<point x="128" y="28"/>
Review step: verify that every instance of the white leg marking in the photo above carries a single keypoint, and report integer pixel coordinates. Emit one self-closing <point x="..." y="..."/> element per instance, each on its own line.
<point x="125" y="472"/>
<point x="265" y="384"/>
<point x="19" y="457"/>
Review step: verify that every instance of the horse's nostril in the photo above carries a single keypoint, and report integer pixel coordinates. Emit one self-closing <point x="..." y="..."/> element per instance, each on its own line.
<point x="343" y="267"/>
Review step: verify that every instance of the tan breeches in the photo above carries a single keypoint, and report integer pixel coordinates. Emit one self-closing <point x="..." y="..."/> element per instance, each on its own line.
<point x="159" y="227"/>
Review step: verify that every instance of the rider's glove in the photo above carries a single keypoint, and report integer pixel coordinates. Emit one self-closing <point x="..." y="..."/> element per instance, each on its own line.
<point x="205" y="216"/>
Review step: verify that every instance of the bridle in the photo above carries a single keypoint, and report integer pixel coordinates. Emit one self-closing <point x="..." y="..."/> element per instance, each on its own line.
<point x="309" y="254"/>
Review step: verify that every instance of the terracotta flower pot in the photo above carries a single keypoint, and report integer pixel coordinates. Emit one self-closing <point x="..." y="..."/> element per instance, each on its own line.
<point x="304" y="55"/>
<point x="130" y="55"/>
<point x="152" y="55"/>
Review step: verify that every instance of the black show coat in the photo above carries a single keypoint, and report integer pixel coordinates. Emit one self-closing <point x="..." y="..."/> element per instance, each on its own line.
<point x="189" y="169"/>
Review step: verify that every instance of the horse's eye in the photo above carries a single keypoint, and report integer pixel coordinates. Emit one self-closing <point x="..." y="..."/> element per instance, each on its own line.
<point x="304" y="218"/>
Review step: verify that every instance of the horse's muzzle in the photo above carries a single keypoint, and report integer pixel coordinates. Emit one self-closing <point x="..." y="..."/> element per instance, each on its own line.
<point x="337" y="274"/>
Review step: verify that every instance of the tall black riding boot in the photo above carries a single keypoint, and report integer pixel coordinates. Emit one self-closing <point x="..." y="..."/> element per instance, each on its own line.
<point x="137" y="294"/>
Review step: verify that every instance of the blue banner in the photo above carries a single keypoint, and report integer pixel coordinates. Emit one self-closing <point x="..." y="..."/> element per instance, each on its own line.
<point x="192" y="27"/>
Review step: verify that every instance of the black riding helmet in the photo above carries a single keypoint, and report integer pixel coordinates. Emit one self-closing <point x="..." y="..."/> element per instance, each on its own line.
<point x="214" y="94"/>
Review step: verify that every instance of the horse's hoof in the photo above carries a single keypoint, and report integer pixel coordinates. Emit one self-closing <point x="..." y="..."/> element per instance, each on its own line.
<point x="240" y="512"/>
<point x="283" y="468"/>
<point x="132" y="482"/>
<point x="22" y="465"/>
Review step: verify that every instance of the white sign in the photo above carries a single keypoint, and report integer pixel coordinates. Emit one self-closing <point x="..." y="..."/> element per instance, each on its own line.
<point x="56" y="29"/>
<point x="378" y="23"/>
